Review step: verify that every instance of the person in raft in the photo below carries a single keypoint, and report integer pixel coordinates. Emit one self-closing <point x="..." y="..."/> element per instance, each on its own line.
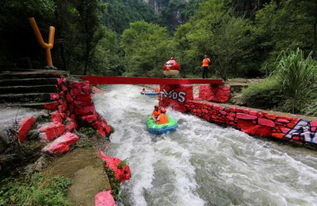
<point x="205" y="66"/>
<point x="143" y="90"/>
<point x="156" y="90"/>
<point x="162" y="118"/>
<point x="156" y="113"/>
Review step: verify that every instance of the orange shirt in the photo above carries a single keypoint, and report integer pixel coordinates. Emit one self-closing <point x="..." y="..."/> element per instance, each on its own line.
<point x="156" y="114"/>
<point x="163" y="119"/>
<point x="205" y="62"/>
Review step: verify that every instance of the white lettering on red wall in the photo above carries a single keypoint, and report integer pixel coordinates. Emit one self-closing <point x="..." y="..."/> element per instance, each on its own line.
<point x="179" y="96"/>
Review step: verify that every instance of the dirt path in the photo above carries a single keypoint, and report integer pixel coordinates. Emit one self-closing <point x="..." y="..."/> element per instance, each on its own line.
<point x="85" y="169"/>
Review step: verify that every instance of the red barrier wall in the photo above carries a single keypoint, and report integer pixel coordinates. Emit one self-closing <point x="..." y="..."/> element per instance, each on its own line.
<point x="215" y="93"/>
<point x="249" y="121"/>
<point x="176" y="96"/>
<point x="73" y="106"/>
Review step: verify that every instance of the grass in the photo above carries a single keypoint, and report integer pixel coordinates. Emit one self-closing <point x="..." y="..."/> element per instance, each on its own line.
<point x="292" y="87"/>
<point x="34" y="189"/>
<point x="114" y="183"/>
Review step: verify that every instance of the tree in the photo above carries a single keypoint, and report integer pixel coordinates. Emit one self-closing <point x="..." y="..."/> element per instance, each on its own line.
<point x="109" y="57"/>
<point x="120" y="13"/>
<point x="146" y="48"/>
<point x="288" y="24"/>
<point x="16" y="36"/>
<point x="213" y="31"/>
<point x="89" y="28"/>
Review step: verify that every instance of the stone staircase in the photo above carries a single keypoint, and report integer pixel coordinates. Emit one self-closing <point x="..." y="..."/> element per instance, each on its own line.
<point x="28" y="88"/>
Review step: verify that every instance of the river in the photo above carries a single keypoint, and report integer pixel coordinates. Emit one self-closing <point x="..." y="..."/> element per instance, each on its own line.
<point x="202" y="163"/>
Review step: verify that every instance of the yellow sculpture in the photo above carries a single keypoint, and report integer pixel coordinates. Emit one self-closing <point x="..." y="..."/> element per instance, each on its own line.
<point x="47" y="46"/>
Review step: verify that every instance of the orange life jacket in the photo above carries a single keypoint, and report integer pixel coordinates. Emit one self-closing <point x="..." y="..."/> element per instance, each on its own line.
<point x="162" y="119"/>
<point x="156" y="114"/>
<point x="205" y="62"/>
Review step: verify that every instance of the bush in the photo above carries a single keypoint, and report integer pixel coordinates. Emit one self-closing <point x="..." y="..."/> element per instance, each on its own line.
<point x="265" y="94"/>
<point x="34" y="190"/>
<point x="297" y="76"/>
<point x="292" y="87"/>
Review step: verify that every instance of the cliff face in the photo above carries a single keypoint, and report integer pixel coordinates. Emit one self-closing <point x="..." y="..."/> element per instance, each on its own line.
<point x="161" y="4"/>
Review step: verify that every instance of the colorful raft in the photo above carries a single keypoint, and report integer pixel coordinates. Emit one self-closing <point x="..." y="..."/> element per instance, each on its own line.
<point x="161" y="128"/>
<point x="150" y="93"/>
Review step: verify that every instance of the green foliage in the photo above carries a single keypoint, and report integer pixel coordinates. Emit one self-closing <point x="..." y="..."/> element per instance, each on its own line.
<point x="291" y="88"/>
<point x="213" y="31"/>
<point x="120" y="13"/>
<point x="114" y="183"/>
<point x="264" y="95"/>
<point x="38" y="8"/>
<point x="146" y="48"/>
<point x="282" y="25"/>
<point x="245" y="7"/>
<point x="108" y="58"/>
<point x="34" y="189"/>
<point x="298" y="79"/>
<point x="122" y="164"/>
<point x="88" y="131"/>
<point x="16" y="37"/>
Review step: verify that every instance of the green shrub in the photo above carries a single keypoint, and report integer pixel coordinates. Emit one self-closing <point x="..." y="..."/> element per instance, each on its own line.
<point x="297" y="76"/>
<point x="114" y="183"/>
<point x="265" y="94"/>
<point x="34" y="190"/>
<point x="292" y="87"/>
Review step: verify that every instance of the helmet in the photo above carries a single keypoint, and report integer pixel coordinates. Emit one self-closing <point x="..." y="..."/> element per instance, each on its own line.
<point x="163" y="110"/>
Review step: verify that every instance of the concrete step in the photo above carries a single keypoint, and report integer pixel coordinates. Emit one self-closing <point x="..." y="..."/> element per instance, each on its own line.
<point x="28" y="89"/>
<point x="238" y="87"/>
<point x="35" y="105"/>
<point x="25" y="98"/>
<point x="32" y="74"/>
<point x="28" y="81"/>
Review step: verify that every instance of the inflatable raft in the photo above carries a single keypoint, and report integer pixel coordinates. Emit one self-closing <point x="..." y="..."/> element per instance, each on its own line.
<point x="150" y="93"/>
<point x="161" y="128"/>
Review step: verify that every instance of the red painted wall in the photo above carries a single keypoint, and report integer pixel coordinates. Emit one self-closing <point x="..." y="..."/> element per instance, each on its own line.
<point x="249" y="121"/>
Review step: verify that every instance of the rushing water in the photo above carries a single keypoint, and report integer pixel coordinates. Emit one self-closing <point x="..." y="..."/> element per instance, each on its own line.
<point x="202" y="163"/>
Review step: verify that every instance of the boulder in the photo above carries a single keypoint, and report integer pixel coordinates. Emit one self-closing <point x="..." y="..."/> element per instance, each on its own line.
<point x="52" y="131"/>
<point x="24" y="127"/>
<point x="61" y="144"/>
<point x="51" y="105"/>
<point x="123" y="173"/>
<point x="104" y="198"/>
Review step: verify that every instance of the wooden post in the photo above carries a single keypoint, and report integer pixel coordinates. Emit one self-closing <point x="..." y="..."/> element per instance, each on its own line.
<point x="47" y="46"/>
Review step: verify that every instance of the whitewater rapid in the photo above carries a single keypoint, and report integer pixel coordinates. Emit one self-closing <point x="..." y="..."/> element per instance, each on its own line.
<point x="201" y="163"/>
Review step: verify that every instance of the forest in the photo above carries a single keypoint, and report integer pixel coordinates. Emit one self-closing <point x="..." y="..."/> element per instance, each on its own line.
<point x="249" y="39"/>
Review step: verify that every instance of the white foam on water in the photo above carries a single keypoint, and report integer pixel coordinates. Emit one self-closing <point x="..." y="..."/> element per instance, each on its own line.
<point x="202" y="163"/>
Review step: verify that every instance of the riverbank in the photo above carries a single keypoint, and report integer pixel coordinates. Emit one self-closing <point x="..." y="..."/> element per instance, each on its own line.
<point x="37" y="178"/>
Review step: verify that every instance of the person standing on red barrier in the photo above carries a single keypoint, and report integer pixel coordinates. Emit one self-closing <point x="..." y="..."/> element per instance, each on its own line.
<point x="205" y="66"/>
